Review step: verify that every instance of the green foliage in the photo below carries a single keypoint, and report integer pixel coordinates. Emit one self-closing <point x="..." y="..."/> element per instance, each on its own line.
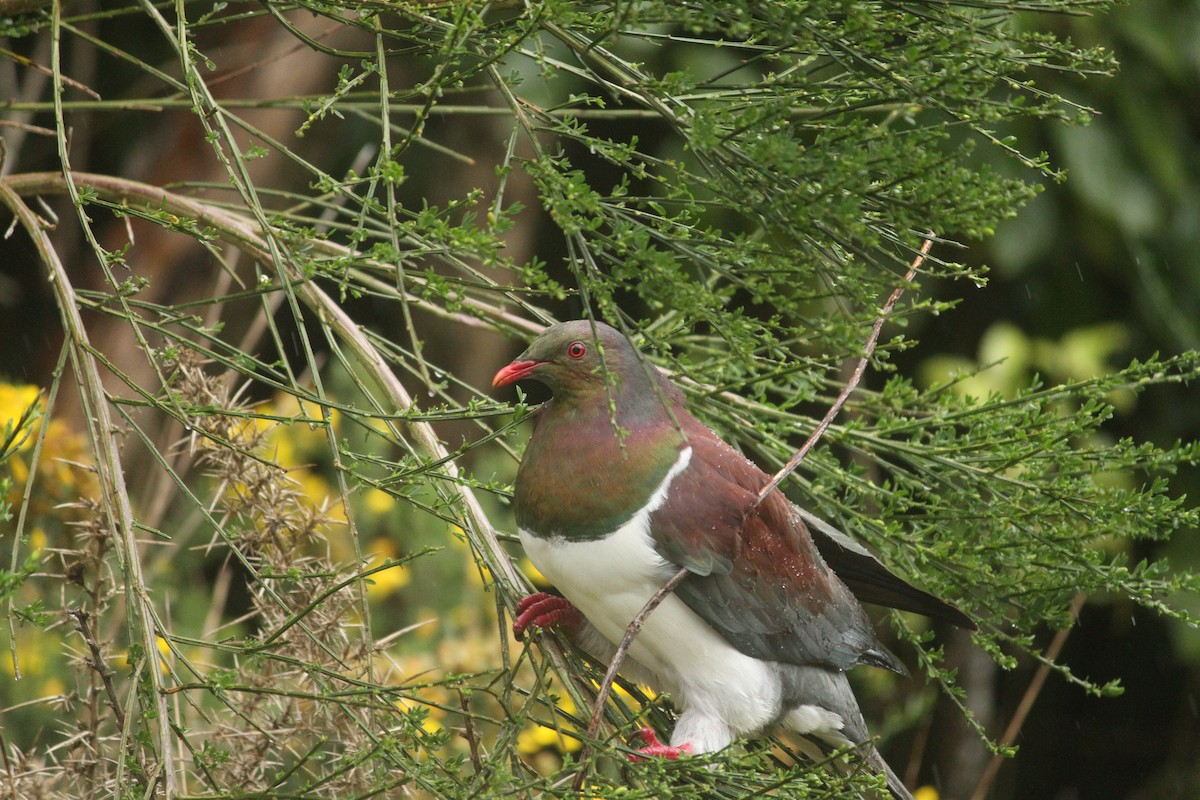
<point x="310" y="468"/>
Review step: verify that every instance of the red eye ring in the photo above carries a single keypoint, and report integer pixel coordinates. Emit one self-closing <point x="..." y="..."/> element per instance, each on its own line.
<point x="576" y="349"/>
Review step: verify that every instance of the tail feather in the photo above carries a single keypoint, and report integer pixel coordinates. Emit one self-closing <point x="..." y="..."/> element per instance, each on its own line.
<point x="875" y="761"/>
<point x="826" y="712"/>
<point x="869" y="759"/>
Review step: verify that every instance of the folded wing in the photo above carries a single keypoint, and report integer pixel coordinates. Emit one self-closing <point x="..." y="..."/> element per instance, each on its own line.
<point x="761" y="580"/>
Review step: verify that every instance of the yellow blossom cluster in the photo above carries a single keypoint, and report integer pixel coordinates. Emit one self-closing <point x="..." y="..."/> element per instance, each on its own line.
<point x="62" y="474"/>
<point x="436" y="614"/>
<point x="61" y="478"/>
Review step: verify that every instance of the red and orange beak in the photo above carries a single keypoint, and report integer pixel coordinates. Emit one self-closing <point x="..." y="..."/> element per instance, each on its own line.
<point x="514" y="372"/>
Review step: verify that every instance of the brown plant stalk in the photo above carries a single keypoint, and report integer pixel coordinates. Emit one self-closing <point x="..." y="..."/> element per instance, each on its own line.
<point x="1027" y="700"/>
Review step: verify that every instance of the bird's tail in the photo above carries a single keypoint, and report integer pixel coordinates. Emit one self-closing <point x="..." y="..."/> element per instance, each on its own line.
<point x="876" y="763"/>
<point x="827" y="714"/>
<point x="868" y="759"/>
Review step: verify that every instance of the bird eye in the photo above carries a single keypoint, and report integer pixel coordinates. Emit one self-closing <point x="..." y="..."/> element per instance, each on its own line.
<point x="576" y="349"/>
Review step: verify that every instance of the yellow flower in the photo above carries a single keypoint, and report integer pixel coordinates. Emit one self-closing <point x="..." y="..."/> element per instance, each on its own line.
<point x="378" y="501"/>
<point x="533" y="573"/>
<point x="539" y="737"/>
<point x="32" y="651"/>
<point x="620" y="691"/>
<point x="566" y="704"/>
<point x="458" y="538"/>
<point x="298" y="438"/>
<point x="18" y="470"/>
<point x="282" y="449"/>
<point x="925" y="793"/>
<point x="478" y="574"/>
<point x="389" y="581"/>
<point x="15" y="401"/>
<point x="319" y="494"/>
<point x="164" y="654"/>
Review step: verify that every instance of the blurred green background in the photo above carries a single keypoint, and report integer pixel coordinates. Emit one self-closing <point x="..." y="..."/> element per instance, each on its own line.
<point x="1100" y="267"/>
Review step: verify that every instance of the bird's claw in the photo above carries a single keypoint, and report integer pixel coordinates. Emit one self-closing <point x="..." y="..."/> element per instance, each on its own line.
<point x="543" y="610"/>
<point x="656" y="749"/>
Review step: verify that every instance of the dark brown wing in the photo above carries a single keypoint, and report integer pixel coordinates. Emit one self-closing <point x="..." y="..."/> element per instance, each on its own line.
<point x="760" y="582"/>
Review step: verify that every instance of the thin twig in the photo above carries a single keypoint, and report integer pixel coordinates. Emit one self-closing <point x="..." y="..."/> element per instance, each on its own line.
<point x="469" y="733"/>
<point x="1027" y="700"/>
<point x="852" y="384"/>
<point x="605" y="685"/>
<point x="96" y="662"/>
<point x="24" y="61"/>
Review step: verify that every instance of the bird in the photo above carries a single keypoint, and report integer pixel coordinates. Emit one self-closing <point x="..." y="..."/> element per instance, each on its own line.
<point x="620" y="487"/>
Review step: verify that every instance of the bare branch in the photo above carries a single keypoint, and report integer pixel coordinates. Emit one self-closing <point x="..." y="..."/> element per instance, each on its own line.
<point x="852" y="384"/>
<point x="1027" y="700"/>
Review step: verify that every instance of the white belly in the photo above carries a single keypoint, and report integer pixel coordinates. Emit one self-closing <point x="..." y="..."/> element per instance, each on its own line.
<point x="609" y="580"/>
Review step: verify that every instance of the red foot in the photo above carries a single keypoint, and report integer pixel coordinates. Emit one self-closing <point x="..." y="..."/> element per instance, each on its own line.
<point x="542" y="610"/>
<point x="656" y="749"/>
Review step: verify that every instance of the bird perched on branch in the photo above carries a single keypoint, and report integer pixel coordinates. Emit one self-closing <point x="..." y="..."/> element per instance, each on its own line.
<point x="620" y="487"/>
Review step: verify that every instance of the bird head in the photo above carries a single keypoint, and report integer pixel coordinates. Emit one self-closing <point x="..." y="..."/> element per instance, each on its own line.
<point x="574" y="358"/>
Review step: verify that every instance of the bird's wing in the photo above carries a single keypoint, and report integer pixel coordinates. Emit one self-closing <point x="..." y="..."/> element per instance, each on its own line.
<point x="871" y="581"/>
<point x="761" y="581"/>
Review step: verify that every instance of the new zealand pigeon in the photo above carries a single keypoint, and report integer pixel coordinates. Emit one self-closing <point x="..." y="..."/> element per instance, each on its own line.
<point x="620" y="487"/>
